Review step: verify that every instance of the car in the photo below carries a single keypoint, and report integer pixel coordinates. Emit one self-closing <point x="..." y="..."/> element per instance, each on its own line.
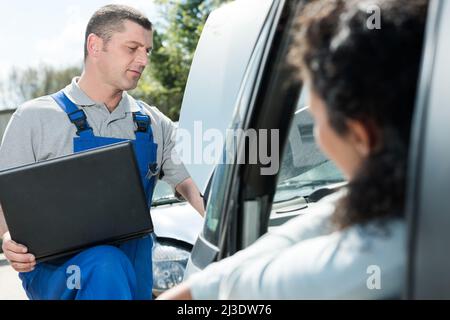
<point x="253" y="88"/>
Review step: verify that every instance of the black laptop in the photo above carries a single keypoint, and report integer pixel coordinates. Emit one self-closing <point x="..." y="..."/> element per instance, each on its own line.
<point x="62" y="206"/>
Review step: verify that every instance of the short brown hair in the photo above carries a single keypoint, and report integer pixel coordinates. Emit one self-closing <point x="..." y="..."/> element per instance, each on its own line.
<point x="110" y="18"/>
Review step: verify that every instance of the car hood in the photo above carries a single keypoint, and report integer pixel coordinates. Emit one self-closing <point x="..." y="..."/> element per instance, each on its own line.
<point x="170" y="221"/>
<point x="218" y="68"/>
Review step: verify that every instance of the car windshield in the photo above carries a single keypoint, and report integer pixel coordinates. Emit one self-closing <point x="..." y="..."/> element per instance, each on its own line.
<point x="163" y="194"/>
<point x="304" y="168"/>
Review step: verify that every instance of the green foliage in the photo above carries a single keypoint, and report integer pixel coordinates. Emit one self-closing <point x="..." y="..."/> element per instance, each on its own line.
<point x="33" y="82"/>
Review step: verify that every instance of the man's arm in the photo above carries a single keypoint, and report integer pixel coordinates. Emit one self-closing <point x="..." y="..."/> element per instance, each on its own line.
<point x="175" y="173"/>
<point x="190" y="192"/>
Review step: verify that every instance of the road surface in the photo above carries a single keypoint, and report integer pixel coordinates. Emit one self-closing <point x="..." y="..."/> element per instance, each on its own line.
<point x="10" y="284"/>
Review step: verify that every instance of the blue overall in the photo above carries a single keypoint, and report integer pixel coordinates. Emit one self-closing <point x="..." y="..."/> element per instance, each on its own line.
<point x="104" y="272"/>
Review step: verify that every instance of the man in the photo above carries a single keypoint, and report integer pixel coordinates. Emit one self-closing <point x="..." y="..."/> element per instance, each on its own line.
<point x="93" y="111"/>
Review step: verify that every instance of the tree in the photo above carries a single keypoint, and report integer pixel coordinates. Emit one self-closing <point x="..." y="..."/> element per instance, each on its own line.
<point x="164" y="81"/>
<point x="33" y="82"/>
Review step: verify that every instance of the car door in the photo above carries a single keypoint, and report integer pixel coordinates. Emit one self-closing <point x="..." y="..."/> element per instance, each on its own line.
<point x="257" y="23"/>
<point x="428" y="205"/>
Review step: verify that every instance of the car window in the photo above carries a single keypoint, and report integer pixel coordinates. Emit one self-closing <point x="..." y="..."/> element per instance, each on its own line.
<point x="304" y="168"/>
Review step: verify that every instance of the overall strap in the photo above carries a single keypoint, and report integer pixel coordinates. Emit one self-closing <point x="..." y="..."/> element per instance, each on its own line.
<point x="76" y="116"/>
<point x="143" y="123"/>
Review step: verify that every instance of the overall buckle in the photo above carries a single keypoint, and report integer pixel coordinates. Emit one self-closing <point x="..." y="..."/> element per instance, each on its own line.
<point x="78" y="118"/>
<point x="142" y="122"/>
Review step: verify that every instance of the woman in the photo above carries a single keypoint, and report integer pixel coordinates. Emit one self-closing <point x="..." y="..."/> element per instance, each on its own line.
<point x="362" y="85"/>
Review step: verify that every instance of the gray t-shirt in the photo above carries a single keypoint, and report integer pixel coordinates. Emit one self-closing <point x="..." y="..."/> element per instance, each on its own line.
<point x="40" y="130"/>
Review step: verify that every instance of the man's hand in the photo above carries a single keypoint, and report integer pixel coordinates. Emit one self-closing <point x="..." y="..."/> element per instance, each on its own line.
<point x="17" y="255"/>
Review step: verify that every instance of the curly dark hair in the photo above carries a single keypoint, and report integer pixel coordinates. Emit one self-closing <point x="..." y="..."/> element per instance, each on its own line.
<point x="369" y="75"/>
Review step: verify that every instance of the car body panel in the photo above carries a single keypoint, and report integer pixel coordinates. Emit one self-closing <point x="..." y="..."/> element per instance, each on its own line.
<point x="428" y="203"/>
<point x="179" y="221"/>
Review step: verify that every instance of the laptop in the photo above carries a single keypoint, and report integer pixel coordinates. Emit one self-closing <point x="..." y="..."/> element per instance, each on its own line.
<point x="62" y="206"/>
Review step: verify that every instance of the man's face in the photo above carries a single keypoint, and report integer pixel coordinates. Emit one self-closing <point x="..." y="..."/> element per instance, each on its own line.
<point x="125" y="56"/>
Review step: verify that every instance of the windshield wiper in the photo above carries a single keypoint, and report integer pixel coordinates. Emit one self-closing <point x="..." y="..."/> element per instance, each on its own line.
<point x="290" y="199"/>
<point x="307" y="184"/>
<point x="164" y="201"/>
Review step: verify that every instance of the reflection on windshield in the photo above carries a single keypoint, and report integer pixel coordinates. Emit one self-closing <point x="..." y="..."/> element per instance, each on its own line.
<point x="163" y="194"/>
<point x="305" y="183"/>
<point x="304" y="167"/>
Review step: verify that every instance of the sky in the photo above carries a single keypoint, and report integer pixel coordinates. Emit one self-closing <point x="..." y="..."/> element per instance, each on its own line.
<point x="50" y="31"/>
